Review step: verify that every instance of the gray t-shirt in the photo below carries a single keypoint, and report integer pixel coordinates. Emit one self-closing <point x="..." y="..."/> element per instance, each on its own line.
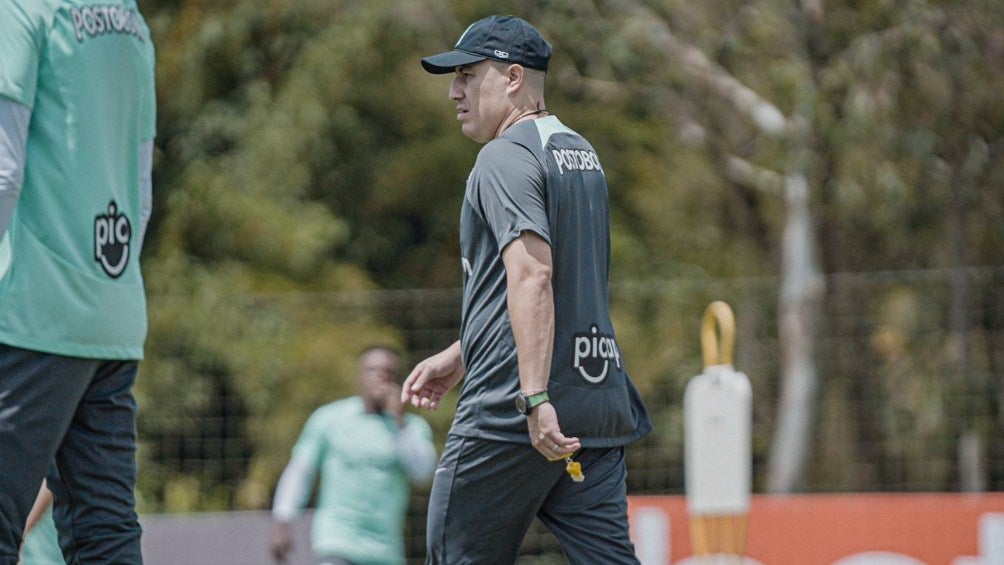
<point x="541" y="176"/>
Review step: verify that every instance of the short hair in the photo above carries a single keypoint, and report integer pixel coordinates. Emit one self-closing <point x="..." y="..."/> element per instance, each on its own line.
<point x="535" y="78"/>
<point x="382" y="348"/>
<point x="389" y="350"/>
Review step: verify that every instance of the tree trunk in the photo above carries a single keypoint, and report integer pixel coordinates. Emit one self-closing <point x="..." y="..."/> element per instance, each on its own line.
<point x="800" y="301"/>
<point x="802" y="284"/>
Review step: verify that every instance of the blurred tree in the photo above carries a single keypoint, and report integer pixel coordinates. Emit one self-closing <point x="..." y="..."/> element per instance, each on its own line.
<point x="302" y="153"/>
<point x="774" y="98"/>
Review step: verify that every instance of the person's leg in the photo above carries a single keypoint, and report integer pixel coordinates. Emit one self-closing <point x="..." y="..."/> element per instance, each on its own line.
<point x="589" y="519"/>
<point x="484" y="497"/>
<point x="95" y="473"/>
<point x="37" y="394"/>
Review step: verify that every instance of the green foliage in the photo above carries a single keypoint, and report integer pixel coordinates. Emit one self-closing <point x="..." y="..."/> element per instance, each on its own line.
<point x="302" y="152"/>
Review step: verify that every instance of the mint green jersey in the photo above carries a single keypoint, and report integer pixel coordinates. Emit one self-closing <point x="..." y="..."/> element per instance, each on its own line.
<point x="70" y="280"/>
<point x="364" y="489"/>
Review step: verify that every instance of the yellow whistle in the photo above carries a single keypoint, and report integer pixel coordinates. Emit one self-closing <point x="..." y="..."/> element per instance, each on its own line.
<point x="574" y="468"/>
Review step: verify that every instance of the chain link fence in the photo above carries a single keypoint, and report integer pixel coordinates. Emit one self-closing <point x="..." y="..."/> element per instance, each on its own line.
<point x="910" y="368"/>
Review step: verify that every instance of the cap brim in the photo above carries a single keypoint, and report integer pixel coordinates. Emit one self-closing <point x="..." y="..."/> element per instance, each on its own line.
<point x="449" y="61"/>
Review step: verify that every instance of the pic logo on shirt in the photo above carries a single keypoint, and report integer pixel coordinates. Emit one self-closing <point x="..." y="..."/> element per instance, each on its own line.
<point x="112" y="233"/>
<point x="593" y="353"/>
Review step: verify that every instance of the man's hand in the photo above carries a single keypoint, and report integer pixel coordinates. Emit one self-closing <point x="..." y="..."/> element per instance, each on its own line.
<point x="389" y="401"/>
<point x="546" y="436"/>
<point x="433" y="378"/>
<point x="281" y="542"/>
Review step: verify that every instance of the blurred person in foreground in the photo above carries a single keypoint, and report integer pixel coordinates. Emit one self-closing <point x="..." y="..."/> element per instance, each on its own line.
<point x="367" y="450"/>
<point x="77" y="121"/>
<point x="544" y="378"/>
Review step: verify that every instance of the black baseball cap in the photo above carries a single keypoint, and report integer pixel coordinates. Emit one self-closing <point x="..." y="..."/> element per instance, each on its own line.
<point x="502" y="38"/>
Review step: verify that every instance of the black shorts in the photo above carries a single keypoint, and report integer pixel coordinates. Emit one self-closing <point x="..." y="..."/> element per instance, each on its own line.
<point x="486" y="493"/>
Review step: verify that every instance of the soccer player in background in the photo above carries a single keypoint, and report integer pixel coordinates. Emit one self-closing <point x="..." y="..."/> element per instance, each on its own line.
<point x="367" y="450"/>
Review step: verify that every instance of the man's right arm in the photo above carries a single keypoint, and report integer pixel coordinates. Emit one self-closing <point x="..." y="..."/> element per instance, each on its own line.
<point x="293" y="489"/>
<point x="290" y="498"/>
<point x="434" y="377"/>
<point x="14" y="120"/>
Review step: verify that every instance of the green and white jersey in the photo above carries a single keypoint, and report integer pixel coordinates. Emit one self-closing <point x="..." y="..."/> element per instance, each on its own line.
<point x="70" y="280"/>
<point x="541" y="176"/>
<point x="364" y="488"/>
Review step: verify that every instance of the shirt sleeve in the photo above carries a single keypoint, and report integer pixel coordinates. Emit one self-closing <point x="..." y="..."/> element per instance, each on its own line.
<point x="22" y="35"/>
<point x="508" y="189"/>
<point x="14" y="120"/>
<point x="416" y="450"/>
<point x="145" y="187"/>
<point x="293" y="489"/>
<point x="297" y="479"/>
<point x="311" y="444"/>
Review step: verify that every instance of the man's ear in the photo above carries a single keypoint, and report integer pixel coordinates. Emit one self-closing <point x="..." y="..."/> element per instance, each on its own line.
<point x="515" y="74"/>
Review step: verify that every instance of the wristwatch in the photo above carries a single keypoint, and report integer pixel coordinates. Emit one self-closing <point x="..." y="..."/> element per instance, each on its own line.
<point x="525" y="404"/>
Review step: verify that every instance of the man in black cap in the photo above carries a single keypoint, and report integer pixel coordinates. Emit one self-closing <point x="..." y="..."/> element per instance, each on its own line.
<point x="545" y="389"/>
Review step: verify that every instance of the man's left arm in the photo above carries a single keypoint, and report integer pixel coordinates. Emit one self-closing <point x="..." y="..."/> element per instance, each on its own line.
<point x="416" y="450"/>
<point x="14" y="120"/>
<point x="531" y="307"/>
<point x="528" y="264"/>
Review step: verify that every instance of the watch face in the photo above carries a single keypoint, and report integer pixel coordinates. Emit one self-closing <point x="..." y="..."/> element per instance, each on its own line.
<point x="521" y="404"/>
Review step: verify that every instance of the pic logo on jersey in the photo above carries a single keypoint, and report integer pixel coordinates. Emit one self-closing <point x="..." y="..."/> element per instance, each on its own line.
<point x="593" y="352"/>
<point x="112" y="234"/>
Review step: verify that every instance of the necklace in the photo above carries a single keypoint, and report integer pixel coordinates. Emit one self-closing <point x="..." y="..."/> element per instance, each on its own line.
<point x="530" y="113"/>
